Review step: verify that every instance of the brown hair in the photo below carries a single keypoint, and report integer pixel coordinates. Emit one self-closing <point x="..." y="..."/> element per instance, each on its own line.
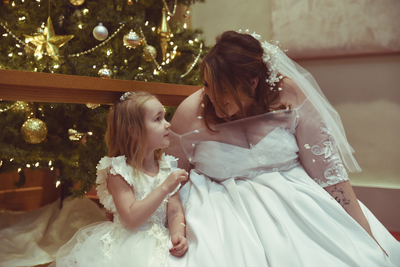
<point x="126" y="132"/>
<point x="231" y="64"/>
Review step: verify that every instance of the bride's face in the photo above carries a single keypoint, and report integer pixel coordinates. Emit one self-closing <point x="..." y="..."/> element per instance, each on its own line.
<point x="229" y="105"/>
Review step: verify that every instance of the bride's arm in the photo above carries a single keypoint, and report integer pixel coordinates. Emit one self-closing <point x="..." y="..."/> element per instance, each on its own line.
<point x="319" y="156"/>
<point x="344" y="194"/>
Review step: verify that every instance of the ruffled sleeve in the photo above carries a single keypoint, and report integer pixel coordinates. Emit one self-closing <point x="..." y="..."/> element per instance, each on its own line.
<point x="116" y="165"/>
<point x="318" y="152"/>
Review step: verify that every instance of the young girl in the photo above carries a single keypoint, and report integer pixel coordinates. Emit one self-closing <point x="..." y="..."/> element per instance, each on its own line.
<point x="135" y="183"/>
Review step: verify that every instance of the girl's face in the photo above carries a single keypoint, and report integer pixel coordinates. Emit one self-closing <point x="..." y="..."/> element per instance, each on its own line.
<point x="157" y="128"/>
<point x="230" y="106"/>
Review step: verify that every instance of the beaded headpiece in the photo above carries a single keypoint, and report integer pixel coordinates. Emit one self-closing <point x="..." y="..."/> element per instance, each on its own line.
<point x="269" y="57"/>
<point x="123" y="97"/>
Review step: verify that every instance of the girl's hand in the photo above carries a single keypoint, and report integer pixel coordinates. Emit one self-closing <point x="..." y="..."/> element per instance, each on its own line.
<point x="174" y="179"/>
<point x="110" y="216"/>
<point x="180" y="245"/>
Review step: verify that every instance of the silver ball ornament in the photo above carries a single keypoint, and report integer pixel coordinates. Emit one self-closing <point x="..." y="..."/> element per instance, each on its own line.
<point x="100" y="32"/>
<point x="105" y="72"/>
<point x="187" y="14"/>
<point x="132" y="40"/>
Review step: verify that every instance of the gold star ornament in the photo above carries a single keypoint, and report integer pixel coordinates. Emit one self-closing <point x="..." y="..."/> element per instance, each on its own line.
<point x="48" y="41"/>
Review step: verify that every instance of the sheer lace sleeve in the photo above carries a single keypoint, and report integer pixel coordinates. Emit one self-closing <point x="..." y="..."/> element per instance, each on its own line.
<point x="317" y="148"/>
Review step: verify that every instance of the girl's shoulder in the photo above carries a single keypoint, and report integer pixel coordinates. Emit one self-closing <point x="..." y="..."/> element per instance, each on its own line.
<point x="115" y="166"/>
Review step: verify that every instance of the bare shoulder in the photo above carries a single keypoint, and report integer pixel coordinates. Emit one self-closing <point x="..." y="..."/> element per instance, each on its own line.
<point x="185" y="117"/>
<point x="291" y="93"/>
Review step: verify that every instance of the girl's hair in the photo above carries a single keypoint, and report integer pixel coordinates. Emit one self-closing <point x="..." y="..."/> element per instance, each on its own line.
<point x="126" y="132"/>
<point x="230" y="65"/>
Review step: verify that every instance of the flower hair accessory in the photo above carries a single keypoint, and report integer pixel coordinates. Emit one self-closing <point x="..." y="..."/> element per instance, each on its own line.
<point x="270" y="58"/>
<point x="123" y="97"/>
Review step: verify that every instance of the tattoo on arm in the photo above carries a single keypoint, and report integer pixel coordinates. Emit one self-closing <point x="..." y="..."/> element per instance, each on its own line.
<point x="338" y="194"/>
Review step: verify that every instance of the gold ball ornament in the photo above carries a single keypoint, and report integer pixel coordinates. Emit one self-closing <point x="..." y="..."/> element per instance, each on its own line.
<point x="132" y="40"/>
<point x="105" y="72"/>
<point x="34" y="131"/>
<point x="77" y="2"/>
<point x="149" y="52"/>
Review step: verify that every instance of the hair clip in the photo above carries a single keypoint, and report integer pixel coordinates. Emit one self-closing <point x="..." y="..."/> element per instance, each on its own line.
<point x="123" y="97"/>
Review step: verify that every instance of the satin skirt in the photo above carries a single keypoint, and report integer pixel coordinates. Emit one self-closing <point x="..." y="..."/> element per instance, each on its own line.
<point x="276" y="219"/>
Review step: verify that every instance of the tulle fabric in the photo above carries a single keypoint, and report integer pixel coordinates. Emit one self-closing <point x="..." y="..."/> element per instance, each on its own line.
<point x="307" y="84"/>
<point x="113" y="243"/>
<point x="135" y="247"/>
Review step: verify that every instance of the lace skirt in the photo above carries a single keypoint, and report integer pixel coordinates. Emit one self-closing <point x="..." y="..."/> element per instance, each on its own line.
<point x="111" y="244"/>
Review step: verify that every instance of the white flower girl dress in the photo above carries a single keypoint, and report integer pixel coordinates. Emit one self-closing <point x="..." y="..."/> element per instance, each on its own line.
<point x="113" y="243"/>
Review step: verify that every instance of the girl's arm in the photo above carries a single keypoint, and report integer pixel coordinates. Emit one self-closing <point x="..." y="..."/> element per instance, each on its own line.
<point x="345" y="196"/>
<point x="133" y="213"/>
<point x="176" y="223"/>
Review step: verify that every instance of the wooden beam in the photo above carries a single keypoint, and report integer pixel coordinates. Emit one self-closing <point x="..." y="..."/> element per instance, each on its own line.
<point x="59" y="88"/>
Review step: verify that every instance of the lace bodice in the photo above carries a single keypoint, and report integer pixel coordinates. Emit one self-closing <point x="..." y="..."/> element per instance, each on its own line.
<point x="272" y="142"/>
<point x="142" y="184"/>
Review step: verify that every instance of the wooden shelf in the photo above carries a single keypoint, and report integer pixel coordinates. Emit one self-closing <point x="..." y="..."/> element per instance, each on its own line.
<point x="59" y="88"/>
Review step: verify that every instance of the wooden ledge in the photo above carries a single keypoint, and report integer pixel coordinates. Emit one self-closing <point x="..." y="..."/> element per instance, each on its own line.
<point x="59" y="88"/>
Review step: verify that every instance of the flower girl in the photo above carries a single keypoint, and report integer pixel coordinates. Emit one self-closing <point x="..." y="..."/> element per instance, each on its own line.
<point x="137" y="184"/>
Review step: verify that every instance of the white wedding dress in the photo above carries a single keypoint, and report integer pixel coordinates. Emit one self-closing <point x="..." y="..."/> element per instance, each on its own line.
<point x="256" y="197"/>
<point x="113" y="243"/>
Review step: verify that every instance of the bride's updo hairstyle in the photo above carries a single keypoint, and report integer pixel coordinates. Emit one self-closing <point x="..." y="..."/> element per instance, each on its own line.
<point x="231" y="64"/>
<point x="126" y="131"/>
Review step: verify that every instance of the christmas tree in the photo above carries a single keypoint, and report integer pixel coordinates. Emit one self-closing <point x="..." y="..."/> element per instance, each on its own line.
<point x="142" y="40"/>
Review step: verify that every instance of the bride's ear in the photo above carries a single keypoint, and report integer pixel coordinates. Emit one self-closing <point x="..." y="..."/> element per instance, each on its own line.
<point x="254" y="83"/>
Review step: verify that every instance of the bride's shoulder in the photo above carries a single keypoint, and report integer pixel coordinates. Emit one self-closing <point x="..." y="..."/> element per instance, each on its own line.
<point x="291" y="94"/>
<point x="186" y="115"/>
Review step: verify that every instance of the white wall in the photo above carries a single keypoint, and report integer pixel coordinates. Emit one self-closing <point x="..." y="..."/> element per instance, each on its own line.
<point x="217" y="16"/>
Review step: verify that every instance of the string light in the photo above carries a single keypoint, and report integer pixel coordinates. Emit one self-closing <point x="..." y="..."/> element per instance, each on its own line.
<point x="39" y="56"/>
<point x="169" y="12"/>
<point x="73" y="55"/>
<point x="195" y="61"/>
<point x="8" y="108"/>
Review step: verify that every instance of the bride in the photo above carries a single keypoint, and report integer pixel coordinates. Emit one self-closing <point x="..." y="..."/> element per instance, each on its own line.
<point x="267" y="151"/>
